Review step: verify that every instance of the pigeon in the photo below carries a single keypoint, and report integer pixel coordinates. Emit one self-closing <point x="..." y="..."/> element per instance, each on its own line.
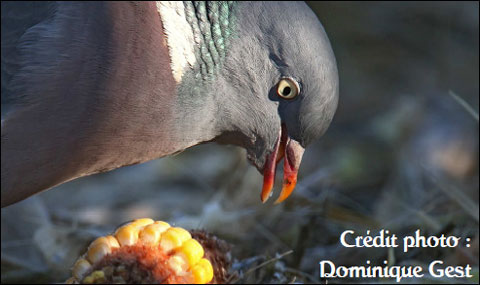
<point x="88" y="87"/>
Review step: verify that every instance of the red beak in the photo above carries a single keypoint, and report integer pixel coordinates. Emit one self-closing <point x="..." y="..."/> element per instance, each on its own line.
<point x="292" y="153"/>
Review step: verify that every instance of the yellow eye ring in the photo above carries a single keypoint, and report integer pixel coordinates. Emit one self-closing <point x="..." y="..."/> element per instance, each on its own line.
<point x="288" y="88"/>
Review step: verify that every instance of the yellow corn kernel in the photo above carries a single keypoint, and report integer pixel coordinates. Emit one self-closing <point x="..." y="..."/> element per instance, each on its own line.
<point x="178" y="264"/>
<point x="80" y="268"/>
<point x="98" y="275"/>
<point x="173" y="238"/>
<point x="112" y="241"/>
<point x="192" y="250"/>
<point x="70" y="280"/>
<point x="98" y="249"/>
<point x="151" y="234"/>
<point x="202" y="272"/>
<point x="102" y="240"/>
<point x="127" y="235"/>
<point x="88" y="280"/>
<point x="140" y="223"/>
<point x="162" y="226"/>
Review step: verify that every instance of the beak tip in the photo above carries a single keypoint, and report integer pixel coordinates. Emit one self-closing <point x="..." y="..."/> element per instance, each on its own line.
<point x="291" y="151"/>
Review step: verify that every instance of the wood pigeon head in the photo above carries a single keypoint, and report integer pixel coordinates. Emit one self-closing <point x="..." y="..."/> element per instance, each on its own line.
<point x="112" y="84"/>
<point x="276" y="88"/>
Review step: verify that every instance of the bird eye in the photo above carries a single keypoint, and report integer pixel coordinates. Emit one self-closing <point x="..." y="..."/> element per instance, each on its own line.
<point x="288" y="88"/>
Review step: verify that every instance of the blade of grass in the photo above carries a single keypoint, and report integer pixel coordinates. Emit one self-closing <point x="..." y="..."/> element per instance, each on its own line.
<point x="456" y="195"/>
<point x="263" y="264"/>
<point x="464" y="104"/>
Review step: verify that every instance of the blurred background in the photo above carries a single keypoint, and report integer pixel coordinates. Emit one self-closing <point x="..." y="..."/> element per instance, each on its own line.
<point x="401" y="154"/>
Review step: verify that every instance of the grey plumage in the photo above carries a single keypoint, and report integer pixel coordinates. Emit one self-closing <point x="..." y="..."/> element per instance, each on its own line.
<point x="97" y="92"/>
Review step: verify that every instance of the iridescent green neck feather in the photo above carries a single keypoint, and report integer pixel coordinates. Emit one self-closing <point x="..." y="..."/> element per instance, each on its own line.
<point x="198" y="35"/>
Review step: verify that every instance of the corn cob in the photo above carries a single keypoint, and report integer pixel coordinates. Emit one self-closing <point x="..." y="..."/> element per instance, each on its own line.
<point x="145" y="251"/>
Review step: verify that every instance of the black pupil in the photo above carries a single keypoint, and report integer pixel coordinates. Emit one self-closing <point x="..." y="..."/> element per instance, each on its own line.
<point x="286" y="91"/>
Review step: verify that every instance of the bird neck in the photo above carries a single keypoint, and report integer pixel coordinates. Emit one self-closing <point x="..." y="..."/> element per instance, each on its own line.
<point x="198" y="35"/>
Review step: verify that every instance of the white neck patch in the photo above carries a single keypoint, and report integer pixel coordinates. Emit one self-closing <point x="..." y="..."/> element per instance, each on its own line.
<point x="180" y="39"/>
